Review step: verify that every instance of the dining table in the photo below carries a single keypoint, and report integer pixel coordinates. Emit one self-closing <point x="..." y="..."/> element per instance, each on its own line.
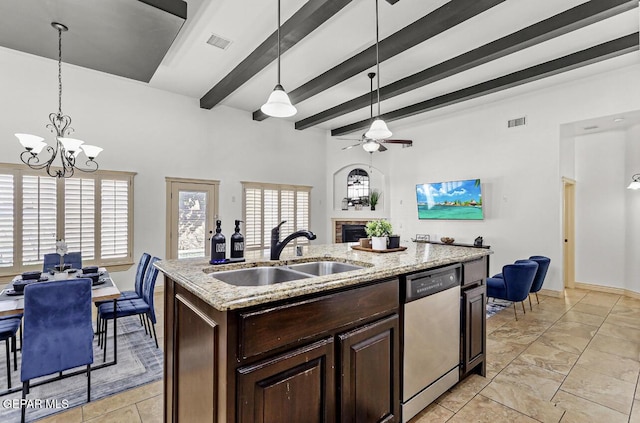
<point x="105" y="291"/>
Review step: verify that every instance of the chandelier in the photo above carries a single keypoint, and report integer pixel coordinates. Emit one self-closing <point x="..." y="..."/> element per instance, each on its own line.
<point x="67" y="148"/>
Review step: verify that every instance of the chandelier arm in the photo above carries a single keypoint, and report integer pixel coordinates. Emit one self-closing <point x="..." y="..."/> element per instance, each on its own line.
<point x="636" y="177"/>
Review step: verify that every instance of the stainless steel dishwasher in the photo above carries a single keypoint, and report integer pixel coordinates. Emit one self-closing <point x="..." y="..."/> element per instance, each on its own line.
<point x="431" y="357"/>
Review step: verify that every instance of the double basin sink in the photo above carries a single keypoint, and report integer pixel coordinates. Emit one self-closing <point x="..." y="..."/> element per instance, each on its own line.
<point x="268" y="275"/>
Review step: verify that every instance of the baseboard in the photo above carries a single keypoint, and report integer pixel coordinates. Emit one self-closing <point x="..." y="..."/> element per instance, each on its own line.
<point x="551" y="293"/>
<point x="607" y="289"/>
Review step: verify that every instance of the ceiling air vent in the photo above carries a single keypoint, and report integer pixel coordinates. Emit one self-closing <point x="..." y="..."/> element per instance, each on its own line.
<point x="589" y="128"/>
<point x="218" y="41"/>
<point x="521" y="121"/>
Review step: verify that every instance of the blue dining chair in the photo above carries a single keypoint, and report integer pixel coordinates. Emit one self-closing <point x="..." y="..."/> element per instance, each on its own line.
<point x="52" y="260"/>
<point x="58" y="334"/>
<point x="8" y="329"/>
<point x="137" y="292"/>
<point x="140" y="306"/>
<point x="543" y="267"/>
<point x="515" y="283"/>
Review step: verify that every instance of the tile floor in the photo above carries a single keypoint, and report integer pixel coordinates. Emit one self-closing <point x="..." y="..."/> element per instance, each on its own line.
<point x="571" y="359"/>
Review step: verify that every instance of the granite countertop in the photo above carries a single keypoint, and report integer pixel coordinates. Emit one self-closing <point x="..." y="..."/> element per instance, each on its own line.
<point x="198" y="276"/>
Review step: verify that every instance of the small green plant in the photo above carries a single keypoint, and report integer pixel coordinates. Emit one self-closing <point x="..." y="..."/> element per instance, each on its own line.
<point x="374" y="197"/>
<point x="378" y="228"/>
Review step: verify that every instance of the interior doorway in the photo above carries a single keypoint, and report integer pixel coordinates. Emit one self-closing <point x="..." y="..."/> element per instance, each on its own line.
<point x="192" y="208"/>
<point x="568" y="232"/>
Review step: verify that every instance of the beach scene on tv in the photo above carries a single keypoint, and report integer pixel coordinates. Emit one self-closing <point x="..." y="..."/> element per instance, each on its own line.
<point x="450" y="200"/>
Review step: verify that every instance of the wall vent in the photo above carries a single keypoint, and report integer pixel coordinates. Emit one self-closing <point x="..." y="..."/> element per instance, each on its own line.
<point x="218" y="41"/>
<point x="589" y="128"/>
<point x="512" y="123"/>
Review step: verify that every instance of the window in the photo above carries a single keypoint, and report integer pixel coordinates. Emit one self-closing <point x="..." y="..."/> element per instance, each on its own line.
<point x="266" y="205"/>
<point x="358" y="187"/>
<point x="92" y="212"/>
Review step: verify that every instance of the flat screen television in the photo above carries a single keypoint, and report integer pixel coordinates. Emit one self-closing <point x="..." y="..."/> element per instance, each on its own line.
<point x="453" y="200"/>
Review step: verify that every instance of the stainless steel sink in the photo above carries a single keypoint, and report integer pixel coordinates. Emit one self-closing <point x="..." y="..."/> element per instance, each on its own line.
<point x="321" y="268"/>
<point x="256" y="276"/>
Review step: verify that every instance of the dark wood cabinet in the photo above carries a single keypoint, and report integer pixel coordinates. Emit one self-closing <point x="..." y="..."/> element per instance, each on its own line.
<point x="473" y="318"/>
<point x="369" y="388"/>
<point x="297" y="386"/>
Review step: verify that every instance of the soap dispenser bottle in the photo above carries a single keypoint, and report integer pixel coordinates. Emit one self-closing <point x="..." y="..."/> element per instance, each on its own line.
<point x="218" y="246"/>
<point x="237" y="244"/>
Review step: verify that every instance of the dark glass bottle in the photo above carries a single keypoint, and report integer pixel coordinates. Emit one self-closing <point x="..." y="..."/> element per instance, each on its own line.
<point x="218" y="246"/>
<point x="237" y="244"/>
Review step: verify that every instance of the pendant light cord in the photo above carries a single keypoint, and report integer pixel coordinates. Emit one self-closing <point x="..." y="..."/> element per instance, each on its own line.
<point x="377" y="56"/>
<point x="60" y="71"/>
<point x="279" y="42"/>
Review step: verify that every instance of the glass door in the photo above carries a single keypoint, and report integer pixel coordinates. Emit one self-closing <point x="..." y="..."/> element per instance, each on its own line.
<point x="192" y="210"/>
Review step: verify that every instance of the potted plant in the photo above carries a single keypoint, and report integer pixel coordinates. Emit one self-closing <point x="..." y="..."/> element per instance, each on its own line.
<point x="374" y="197"/>
<point x="378" y="230"/>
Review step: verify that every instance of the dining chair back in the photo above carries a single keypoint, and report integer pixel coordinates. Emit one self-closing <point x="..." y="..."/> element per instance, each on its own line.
<point x="51" y="260"/>
<point x="140" y="272"/>
<point x="543" y="267"/>
<point x="515" y="283"/>
<point x="58" y="334"/>
<point x="148" y="288"/>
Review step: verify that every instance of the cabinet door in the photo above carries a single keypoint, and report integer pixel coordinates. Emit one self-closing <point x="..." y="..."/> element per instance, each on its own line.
<point x="297" y="386"/>
<point x="474" y="330"/>
<point x="369" y="373"/>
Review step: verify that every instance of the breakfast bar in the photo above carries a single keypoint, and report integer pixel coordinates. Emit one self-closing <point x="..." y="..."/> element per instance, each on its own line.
<point x="319" y="337"/>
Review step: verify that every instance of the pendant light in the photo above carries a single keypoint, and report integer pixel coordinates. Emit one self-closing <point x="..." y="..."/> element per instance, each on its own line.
<point x="635" y="182"/>
<point x="378" y="129"/>
<point x="278" y="104"/>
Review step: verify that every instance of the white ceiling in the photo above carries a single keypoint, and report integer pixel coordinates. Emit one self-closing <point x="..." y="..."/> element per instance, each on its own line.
<point x="192" y="67"/>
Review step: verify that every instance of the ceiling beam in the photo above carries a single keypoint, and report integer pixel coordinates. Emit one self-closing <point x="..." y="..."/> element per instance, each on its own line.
<point x="560" y="24"/>
<point x="438" y="21"/>
<point x="309" y="17"/>
<point x="576" y="60"/>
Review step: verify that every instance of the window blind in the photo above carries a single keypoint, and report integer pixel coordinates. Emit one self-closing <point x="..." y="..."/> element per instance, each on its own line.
<point x="115" y="222"/>
<point x="39" y="219"/>
<point x="79" y="216"/>
<point x="6" y="220"/>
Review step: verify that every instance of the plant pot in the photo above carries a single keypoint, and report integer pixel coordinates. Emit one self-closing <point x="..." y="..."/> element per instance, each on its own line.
<point x="373" y="207"/>
<point x="394" y="241"/>
<point x="378" y="242"/>
<point x="365" y="242"/>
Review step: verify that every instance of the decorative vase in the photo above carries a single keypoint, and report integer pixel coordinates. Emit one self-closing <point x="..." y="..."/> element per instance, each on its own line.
<point x="378" y="242"/>
<point x="373" y="207"/>
<point x="365" y="242"/>
<point x="394" y="241"/>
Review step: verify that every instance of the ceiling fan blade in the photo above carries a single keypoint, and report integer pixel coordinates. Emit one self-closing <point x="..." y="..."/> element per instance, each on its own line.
<point x="349" y="139"/>
<point x="350" y="146"/>
<point x="397" y="141"/>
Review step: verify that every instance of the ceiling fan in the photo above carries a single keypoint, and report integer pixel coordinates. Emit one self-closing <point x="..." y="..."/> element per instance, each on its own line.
<point x="369" y="144"/>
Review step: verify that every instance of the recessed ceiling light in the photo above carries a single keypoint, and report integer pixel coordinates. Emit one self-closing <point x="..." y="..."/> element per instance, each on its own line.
<point x="218" y="41"/>
<point x="618" y="120"/>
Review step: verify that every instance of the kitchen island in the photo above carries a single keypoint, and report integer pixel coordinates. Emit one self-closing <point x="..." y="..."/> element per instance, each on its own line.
<point x="322" y="348"/>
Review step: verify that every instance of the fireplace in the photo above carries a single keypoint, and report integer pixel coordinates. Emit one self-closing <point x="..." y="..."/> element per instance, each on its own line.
<point x="353" y="229"/>
<point x="353" y="233"/>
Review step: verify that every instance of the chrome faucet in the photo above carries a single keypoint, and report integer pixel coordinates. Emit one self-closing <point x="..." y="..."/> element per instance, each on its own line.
<point x="277" y="246"/>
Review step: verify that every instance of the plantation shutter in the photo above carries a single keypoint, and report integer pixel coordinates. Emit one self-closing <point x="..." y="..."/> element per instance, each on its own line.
<point x="266" y="205"/>
<point x="39" y="226"/>
<point x="114" y="222"/>
<point x="79" y="216"/>
<point x="6" y="220"/>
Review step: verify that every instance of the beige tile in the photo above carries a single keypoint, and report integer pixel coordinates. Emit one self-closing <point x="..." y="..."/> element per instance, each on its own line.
<point x="598" y="310"/>
<point x="500" y="354"/>
<point x="517" y="335"/>
<point x="635" y="412"/>
<point x="624" y="316"/>
<point x="432" y="414"/>
<point x="601" y="299"/>
<point x="622" y="332"/>
<point x="565" y="342"/>
<point x="629" y="302"/>
<point x="462" y="393"/>
<point x="601" y="389"/>
<point x="580" y="410"/>
<point x="540" y="382"/>
<point x="541" y="355"/>
<point x="574" y="328"/>
<point x="127" y="414"/>
<point x="114" y="402"/>
<point x="73" y="415"/>
<point x="584" y="318"/>
<point x="151" y="410"/>
<point x="617" y="346"/>
<point x="483" y="410"/>
<point x="523" y="401"/>
<point x="621" y="368"/>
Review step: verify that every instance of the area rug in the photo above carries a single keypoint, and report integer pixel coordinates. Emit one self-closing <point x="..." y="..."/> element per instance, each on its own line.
<point x="494" y="306"/>
<point x="139" y="363"/>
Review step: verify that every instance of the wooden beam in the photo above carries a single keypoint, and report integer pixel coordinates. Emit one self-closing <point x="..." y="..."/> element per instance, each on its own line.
<point x="576" y="60"/>
<point x="560" y="24"/>
<point x="309" y="17"/>
<point x="438" y="21"/>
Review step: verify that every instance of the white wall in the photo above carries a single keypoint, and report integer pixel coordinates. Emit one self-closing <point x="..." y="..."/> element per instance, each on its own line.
<point x="159" y="134"/>
<point x="632" y="205"/>
<point x="519" y="167"/>
<point x="600" y="208"/>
